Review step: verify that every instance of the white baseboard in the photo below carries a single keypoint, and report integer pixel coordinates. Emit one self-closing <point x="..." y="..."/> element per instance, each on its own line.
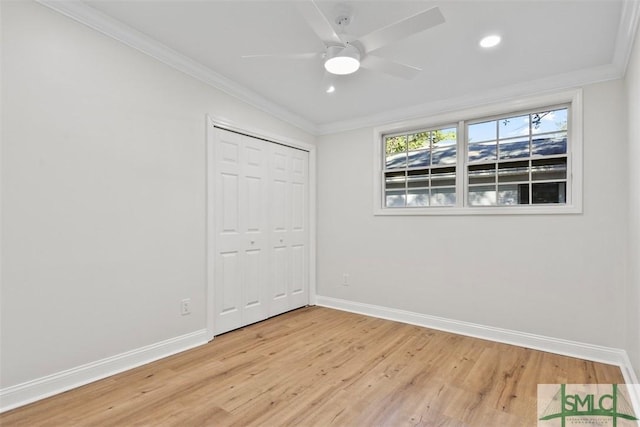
<point x="31" y="391"/>
<point x="612" y="356"/>
<point x="28" y="392"/>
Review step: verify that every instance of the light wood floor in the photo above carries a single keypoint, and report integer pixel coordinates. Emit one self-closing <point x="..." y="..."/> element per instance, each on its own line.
<point x="319" y="367"/>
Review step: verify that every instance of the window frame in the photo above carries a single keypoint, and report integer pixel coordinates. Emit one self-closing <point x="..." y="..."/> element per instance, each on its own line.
<point x="573" y="205"/>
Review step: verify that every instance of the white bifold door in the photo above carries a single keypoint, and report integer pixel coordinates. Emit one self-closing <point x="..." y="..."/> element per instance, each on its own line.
<point x="260" y="236"/>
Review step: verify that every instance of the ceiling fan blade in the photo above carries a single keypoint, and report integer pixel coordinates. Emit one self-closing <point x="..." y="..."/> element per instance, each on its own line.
<point x="402" y="29"/>
<point x="318" y="22"/>
<point x="390" y="67"/>
<point x="307" y="55"/>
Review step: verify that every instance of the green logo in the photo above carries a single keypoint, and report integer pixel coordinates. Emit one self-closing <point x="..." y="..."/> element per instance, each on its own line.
<point x="582" y="405"/>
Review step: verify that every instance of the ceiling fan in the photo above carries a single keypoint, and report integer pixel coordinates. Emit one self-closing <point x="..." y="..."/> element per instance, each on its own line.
<point x="344" y="56"/>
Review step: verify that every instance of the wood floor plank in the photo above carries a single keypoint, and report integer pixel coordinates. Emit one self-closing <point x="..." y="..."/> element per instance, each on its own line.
<point x="316" y="367"/>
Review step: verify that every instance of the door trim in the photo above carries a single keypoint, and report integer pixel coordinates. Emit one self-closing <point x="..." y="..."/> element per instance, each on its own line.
<point x="213" y="122"/>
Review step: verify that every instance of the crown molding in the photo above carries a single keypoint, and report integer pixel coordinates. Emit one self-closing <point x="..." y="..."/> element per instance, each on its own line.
<point x="565" y="81"/>
<point x="627" y="28"/>
<point x="98" y="21"/>
<point x="630" y="16"/>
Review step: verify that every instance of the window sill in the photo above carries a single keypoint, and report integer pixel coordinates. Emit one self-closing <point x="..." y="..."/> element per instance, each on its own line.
<point x="489" y="210"/>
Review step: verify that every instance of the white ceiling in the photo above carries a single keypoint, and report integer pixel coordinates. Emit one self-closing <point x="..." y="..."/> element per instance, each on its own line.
<point x="550" y="42"/>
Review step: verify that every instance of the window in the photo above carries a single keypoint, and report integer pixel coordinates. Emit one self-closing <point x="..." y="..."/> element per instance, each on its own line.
<point x="518" y="160"/>
<point x="420" y="168"/>
<point x="521" y="160"/>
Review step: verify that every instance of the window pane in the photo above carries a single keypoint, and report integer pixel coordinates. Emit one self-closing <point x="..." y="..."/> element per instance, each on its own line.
<point x="395" y="149"/>
<point x="449" y="135"/>
<point x="549" y="145"/>
<point x="444" y="152"/>
<point x="394" y="180"/>
<point x="485" y="131"/>
<point x="513" y="171"/>
<point x="513" y="194"/>
<point x="482" y="174"/>
<point x="395" y="161"/>
<point x="395" y="198"/>
<point x="549" y="121"/>
<point x="443" y="197"/>
<point x="418" y="197"/>
<point x="549" y="192"/>
<point x="441" y="177"/>
<point x="514" y="148"/>
<point x="484" y="195"/>
<point x="419" y="158"/>
<point x="396" y="144"/>
<point x="482" y="151"/>
<point x="513" y="126"/>
<point x="418" y="178"/>
<point x="419" y="141"/>
<point x="548" y="169"/>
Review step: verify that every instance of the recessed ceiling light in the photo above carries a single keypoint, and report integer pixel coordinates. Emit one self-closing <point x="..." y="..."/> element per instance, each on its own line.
<point x="490" y="41"/>
<point x="331" y="89"/>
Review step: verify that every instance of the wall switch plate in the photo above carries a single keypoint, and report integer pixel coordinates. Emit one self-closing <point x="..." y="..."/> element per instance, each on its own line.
<point x="185" y="306"/>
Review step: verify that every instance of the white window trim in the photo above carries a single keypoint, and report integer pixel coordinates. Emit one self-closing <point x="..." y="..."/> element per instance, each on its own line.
<point x="574" y="156"/>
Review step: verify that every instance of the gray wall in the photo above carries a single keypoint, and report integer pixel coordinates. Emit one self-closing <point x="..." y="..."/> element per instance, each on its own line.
<point x="103" y="192"/>
<point x="633" y="295"/>
<point x="555" y="275"/>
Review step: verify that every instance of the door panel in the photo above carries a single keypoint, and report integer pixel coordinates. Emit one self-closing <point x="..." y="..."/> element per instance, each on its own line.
<point x="253" y="160"/>
<point x="230" y="208"/>
<point x="279" y="159"/>
<point x="297" y="206"/>
<point x="299" y="236"/>
<point x="229" y="150"/>
<point x="255" y="205"/>
<point x="297" y="269"/>
<point x="253" y="291"/>
<point x="228" y="278"/>
<point x="278" y="226"/>
<point x="228" y="262"/>
<point x="254" y="308"/>
<point x="278" y="205"/>
<point x="279" y="273"/>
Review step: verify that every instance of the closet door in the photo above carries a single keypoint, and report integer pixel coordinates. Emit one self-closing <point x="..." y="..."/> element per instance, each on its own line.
<point x="241" y="219"/>
<point x="299" y="228"/>
<point x="289" y="236"/>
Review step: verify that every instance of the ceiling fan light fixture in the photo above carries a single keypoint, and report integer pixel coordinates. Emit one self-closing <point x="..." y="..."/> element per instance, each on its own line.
<point x="342" y="61"/>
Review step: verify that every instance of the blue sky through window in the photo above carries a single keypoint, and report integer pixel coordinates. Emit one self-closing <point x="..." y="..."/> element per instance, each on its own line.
<point x="510" y="127"/>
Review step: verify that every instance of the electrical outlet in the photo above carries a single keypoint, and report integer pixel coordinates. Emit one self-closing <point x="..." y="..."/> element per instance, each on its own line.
<point x="345" y="279"/>
<point x="185" y="306"/>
